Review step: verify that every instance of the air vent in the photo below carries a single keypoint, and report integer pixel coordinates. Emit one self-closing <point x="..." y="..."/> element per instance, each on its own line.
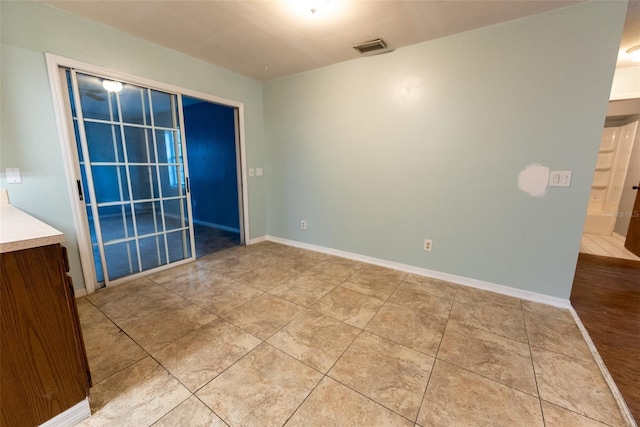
<point x="371" y="46"/>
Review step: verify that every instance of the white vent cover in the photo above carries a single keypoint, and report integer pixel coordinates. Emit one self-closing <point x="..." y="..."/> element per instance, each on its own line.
<point x="370" y="46"/>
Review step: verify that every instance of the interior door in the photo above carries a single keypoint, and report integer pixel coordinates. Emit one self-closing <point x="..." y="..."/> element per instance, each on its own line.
<point x="633" y="234"/>
<point x="134" y="175"/>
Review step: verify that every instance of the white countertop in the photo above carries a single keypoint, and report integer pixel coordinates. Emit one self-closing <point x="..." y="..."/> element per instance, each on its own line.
<point x="19" y="230"/>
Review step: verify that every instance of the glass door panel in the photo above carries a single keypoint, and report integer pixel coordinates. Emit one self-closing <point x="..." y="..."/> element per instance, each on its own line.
<point x="131" y="159"/>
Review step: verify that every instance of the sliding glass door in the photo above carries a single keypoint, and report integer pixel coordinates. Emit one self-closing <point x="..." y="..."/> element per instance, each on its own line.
<point x="134" y="179"/>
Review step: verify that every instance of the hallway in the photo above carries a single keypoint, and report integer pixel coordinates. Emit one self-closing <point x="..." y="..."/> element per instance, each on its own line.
<point x="606" y="296"/>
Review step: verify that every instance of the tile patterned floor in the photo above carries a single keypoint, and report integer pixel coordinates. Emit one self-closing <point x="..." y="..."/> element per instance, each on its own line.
<point x="270" y="335"/>
<point x="610" y="246"/>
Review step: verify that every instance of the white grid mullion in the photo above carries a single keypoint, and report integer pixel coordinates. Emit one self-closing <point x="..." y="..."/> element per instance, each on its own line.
<point x="160" y="193"/>
<point x="156" y="199"/>
<point x="146" y="146"/>
<point x="185" y="165"/>
<point x="131" y="164"/>
<point x="129" y="186"/>
<point x="123" y="211"/>
<point x="178" y="154"/>
<point x="89" y="175"/>
<point x="131" y="239"/>
<point x="134" y="125"/>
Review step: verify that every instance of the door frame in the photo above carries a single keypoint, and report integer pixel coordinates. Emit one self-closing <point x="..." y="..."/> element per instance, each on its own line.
<point x="66" y="138"/>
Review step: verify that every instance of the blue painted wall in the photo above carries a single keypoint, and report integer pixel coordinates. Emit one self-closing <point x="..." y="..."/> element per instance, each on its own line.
<point x="211" y="151"/>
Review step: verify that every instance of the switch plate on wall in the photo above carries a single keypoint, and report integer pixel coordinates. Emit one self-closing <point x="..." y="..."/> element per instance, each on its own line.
<point x="13" y="176"/>
<point x="560" y="179"/>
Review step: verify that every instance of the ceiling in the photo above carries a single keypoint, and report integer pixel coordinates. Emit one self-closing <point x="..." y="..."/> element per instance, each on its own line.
<point x="269" y="39"/>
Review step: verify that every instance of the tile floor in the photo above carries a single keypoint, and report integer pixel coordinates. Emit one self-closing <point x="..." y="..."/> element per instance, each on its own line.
<point x="610" y="246"/>
<point x="269" y="335"/>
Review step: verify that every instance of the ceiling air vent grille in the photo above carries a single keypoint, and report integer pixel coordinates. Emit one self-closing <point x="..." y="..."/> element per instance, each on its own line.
<point x="371" y="46"/>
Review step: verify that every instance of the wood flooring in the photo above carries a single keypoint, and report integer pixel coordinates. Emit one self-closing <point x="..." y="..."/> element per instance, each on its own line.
<point x="606" y="296"/>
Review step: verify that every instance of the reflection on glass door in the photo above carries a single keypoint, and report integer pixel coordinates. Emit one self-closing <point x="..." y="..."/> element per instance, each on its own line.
<point x="133" y="171"/>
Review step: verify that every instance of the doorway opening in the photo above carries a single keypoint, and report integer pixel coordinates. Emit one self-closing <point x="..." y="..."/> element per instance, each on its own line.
<point x="611" y="216"/>
<point x="126" y="155"/>
<point x="214" y="180"/>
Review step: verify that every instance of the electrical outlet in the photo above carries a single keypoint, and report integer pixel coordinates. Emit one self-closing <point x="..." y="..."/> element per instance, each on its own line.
<point x="303" y="224"/>
<point x="428" y="244"/>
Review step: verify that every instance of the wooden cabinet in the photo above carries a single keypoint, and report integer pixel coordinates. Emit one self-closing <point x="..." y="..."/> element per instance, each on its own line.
<point x="43" y="365"/>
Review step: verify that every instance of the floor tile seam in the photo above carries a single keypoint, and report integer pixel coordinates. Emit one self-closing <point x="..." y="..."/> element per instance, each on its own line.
<point x="287" y="323"/>
<point x="123" y="368"/>
<point x="488" y="331"/>
<point x="178" y="379"/>
<point x="201" y="294"/>
<point x="459" y="323"/>
<point x="550" y="317"/>
<point x="535" y="376"/>
<point x="331" y="317"/>
<point x="304" y="400"/>
<point x="327" y="282"/>
<point x="147" y="314"/>
<point x="575" y="412"/>
<point x="361" y="293"/>
<point x="398" y="343"/>
<point x="224" y="370"/>
<point x="375" y="401"/>
<point x="438" y="357"/>
<point x="224" y="316"/>
<point x="211" y="409"/>
<point x="381" y="305"/>
<point x="435" y="356"/>
<point x="485" y="303"/>
<point x="188" y="332"/>
<point x="172" y="409"/>
<point x="591" y="361"/>
<point x="293" y="302"/>
<point x="493" y="380"/>
<point x="309" y="309"/>
<point x="490" y="378"/>
<point x="536" y="342"/>
<point x="431" y="293"/>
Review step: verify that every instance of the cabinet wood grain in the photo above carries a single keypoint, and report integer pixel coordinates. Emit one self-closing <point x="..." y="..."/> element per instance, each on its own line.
<point x="42" y="367"/>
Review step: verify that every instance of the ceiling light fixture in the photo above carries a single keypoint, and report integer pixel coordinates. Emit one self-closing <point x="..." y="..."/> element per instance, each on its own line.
<point x="112" y="86"/>
<point x="634" y="53"/>
<point x="314" y="5"/>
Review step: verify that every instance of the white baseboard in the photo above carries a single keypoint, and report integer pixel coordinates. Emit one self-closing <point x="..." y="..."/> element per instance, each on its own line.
<point x="71" y="416"/>
<point x="626" y="413"/>
<point x="218" y="226"/>
<point x="460" y="280"/>
<point x="79" y="293"/>
<point x="257" y="240"/>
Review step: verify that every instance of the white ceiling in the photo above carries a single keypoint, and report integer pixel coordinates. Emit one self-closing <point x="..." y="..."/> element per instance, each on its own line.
<point x="269" y="39"/>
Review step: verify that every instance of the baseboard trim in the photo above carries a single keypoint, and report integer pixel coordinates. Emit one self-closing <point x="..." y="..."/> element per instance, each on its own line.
<point x="626" y="413"/>
<point x="218" y="226"/>
<point x="79" y="293"/>
<point x="460" y="280"/>
<point x="71" y="416"/>
<point x="258" y="240"/>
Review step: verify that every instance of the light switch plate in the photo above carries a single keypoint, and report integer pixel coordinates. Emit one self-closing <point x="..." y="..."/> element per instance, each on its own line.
<point x="560" y="179"/>
<point x="13" y="176"/>
<point x="258" y="171"/>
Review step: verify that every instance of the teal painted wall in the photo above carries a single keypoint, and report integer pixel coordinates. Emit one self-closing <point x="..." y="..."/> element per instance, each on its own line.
<point x="29" y="138"/>
<point x="379" y="153"/>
